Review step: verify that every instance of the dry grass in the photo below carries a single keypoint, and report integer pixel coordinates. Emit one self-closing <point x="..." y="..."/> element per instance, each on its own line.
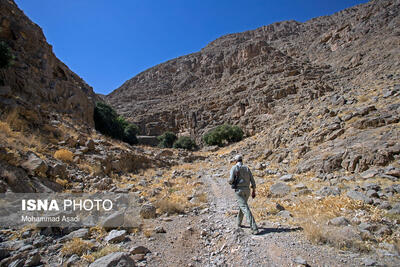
<point x="101" y="253"/>
<point x="21" y="141"/>
<point x="93" y="170"/>
<point x="313" y="216"/>
<point x="64" y="155"/>
<point x="97" y="232"/>
<point x="62" y="182"/>
<point x="320" y="233"/>
<point x="16" y="123"/>
<point x="76" y="246"/>
<point x="173" y="193"/>
<point x="169" y="206"/>
<point x="363" y="98"/>
<point x="148" y="232"/>
<point x="328" y="207"/>
<point x="5" y="129"/>
<point x="17" y="235"/>
<point x="202" y="198"/>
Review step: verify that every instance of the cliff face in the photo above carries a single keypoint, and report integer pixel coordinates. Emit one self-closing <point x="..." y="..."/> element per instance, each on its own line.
<point x="38" y="83"/>
<point x="246" y="78"/>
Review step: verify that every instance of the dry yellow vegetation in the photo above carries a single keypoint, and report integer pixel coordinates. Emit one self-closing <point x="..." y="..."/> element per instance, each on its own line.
<point x="97" y="232"/>
<point x="76" y="246"/>
<point x="64" y="155"/>
<point x="62" y="182"/>
<point x="170" y="206"/>
<point x="101" y="253"/>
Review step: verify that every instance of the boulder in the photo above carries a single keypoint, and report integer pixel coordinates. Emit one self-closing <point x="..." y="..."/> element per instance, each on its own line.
<point x="369" y="174"/>
<point x="285" y="214"/>
<point x="279" y="190"/>
<point x="114" y="220"/>
<point x="339" y="221"/>
<point x="358" y="196"/>
<point x="366" y="226"/>
<point x="115" y="236"/>
<point x="35" y="165"/>
<point x="139" y="250"/>
<point x="393" y="172"/>
<point x="299" y="260"/>
<point x="80" y="233"/>
<point x="327" y="191"/>
<point x="286" y="178"/>
<point x="115" y="259"/>
<point x="300" y="186"/>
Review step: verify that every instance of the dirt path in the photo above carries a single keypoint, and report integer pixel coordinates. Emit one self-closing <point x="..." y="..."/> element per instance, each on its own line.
<point x="277" y="245"/>
<point x="210" y="238"/>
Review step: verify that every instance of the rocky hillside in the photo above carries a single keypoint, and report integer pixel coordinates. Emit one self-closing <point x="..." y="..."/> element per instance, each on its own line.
<point x="319" y="102"/>
<point x="302" y="84"/>
<point x="240" y="78"/>
<point x="38" y="83"/>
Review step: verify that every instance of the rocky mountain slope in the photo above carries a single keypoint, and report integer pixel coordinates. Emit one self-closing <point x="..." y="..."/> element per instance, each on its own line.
<point x="239" y="77"/>
<point x="303" y="84"/>
<point x="319" y="102"/>
<point x="38" y="83"/>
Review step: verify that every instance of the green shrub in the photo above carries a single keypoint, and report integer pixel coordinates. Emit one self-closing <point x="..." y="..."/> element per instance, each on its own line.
<point x="223" y="134"/>
<point x="167" y="139"/>
<point x="185" y="142"/>
<point x="130" y="132"/>
<point x="108" y="122"/>
<point x="6" y="56"/>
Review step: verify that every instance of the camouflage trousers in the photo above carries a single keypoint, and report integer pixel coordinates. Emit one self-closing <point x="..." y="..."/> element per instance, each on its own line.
<point x="242" y="195"/>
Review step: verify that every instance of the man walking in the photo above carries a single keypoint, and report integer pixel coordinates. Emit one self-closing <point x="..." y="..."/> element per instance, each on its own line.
<point x="240" y="178"/>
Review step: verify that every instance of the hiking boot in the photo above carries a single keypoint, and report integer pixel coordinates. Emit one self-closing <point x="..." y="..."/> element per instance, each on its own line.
<point x="255" y="232"/>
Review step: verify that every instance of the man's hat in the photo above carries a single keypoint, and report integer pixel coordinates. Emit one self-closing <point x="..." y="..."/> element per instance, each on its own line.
<point x="238" y="158"/>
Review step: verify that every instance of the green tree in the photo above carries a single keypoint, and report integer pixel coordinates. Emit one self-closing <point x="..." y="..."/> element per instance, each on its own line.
<point x="223" y="134"/>
<point x="130" y="132"/>
<point x="185" y="142"/>
<point x="167" y="139"/>
<point x="108" y="122"/>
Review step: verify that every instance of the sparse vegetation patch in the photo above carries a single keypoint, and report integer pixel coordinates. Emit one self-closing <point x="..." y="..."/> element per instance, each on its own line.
<point x="64" y="155"/>
<point x="223" y="134"/>
<point x="167" y="139"/>
<point x="108" y="122"/>
<point x="185" y="142"/>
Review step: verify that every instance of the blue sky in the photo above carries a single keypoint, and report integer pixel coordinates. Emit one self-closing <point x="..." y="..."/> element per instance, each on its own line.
<point x="108" y="42"/>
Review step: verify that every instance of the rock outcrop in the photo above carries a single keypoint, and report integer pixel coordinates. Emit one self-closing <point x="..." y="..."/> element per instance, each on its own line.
<point x="243" y="78"/>
<point x="38" y="83"/>
<point x="321" y="96"/>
